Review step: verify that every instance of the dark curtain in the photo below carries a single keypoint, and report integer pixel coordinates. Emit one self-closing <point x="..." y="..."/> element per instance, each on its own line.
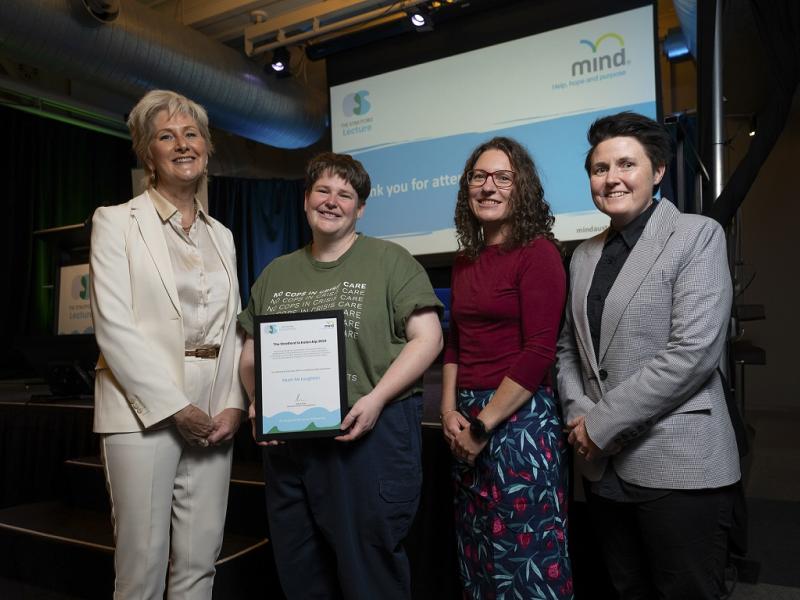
<point x="54" y="174"/>
<point x="778" y="26"/>
<point x="266" y="218"/>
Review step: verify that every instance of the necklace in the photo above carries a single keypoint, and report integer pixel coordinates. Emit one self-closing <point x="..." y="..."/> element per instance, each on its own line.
<point x="188" y="228"/>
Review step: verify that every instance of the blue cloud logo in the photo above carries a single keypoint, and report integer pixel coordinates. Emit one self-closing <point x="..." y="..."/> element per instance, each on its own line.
<point x="356" y="104"/>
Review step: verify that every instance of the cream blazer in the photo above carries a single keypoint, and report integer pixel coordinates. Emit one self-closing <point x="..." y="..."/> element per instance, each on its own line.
<point x="138" y="325"/>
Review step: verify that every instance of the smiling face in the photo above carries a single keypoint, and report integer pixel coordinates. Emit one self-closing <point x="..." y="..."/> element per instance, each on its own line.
<point x="178" y="153"/>
<point x="621" y="178"/>
<point x="332" y="208"/>
<point x="490" y="204"/>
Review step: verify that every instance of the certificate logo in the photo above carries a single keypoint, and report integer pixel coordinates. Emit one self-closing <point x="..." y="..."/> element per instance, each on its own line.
<point x="331" y="324"/>
<point x="273" y="328"/>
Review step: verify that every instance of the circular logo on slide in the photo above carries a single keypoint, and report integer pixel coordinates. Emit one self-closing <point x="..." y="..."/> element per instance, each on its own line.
<point x="80" y="287"/>
<point x="356" y="104"/>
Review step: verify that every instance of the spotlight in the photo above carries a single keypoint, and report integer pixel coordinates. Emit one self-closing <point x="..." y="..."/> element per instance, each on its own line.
<point x="104" y="11"/>
<point x="421" y="18"/>
<point x="753" y="125"/>
<point x="280" y="60"/>
<point x="675" y="46"/>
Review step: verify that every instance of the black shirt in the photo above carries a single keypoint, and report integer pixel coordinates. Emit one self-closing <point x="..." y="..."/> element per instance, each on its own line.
<point x="616" y="250"/>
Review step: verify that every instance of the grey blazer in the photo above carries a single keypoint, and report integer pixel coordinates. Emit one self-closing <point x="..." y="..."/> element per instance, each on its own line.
<point x="654" y="388"/>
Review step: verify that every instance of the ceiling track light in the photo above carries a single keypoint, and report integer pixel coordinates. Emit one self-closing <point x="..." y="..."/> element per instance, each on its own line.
<point x="420" y="17"/>
<point x="104" y="11"/>
<point x="280" y="61"/>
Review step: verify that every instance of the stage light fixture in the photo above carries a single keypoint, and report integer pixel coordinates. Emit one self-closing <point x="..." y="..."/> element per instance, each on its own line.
<point x="280" y="60"/>
<point x="675" y="46"/>
<point x="420" y="17"/>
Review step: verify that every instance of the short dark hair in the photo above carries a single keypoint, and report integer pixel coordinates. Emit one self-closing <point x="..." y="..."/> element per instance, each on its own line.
<point x="649" y="133"/>
<point x="341" y="165"/>
<point x="530" y="216"/>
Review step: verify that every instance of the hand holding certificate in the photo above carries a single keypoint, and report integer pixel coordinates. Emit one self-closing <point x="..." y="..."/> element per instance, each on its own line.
<point x="301" y="389"/>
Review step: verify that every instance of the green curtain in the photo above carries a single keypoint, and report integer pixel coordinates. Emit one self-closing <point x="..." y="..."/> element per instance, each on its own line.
<point x="54" y="174"/>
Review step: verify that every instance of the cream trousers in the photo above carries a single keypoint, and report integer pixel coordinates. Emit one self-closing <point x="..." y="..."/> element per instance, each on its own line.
<point x="168" y="504"/>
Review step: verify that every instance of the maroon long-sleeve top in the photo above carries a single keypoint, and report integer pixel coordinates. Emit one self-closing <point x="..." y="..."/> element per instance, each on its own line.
<point x="505" y="312"/>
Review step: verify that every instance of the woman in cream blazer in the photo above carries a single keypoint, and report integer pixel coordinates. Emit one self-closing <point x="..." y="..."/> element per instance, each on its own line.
<point x="164" y="301"/>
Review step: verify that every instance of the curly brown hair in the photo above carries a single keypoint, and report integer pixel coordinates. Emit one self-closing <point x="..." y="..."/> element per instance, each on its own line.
<point x="530" y="216"/>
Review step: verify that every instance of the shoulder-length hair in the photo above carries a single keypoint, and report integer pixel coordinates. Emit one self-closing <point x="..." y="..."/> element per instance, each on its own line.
<point x="530" y="216"/>
<point x="141" y="117"/>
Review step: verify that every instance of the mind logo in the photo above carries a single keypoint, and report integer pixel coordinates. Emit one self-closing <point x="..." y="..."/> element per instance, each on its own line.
<point x="356" y="104"/>
<point x="80" y="287"/>
<point x="600" y="62"/>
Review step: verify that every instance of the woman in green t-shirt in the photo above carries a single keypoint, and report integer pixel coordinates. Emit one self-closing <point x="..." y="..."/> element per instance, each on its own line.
<point x="339" y="508"/>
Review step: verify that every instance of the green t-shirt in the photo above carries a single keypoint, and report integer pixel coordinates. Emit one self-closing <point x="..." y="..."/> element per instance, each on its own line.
<point x="376" y="283"/>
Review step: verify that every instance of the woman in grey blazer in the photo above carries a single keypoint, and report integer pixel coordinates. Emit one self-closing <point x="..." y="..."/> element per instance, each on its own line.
<point x="644" y="332"/>
<point x="164" y="299"/>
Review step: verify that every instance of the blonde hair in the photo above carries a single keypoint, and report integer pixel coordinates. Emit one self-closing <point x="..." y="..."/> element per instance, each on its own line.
<point x="140" y="124"/>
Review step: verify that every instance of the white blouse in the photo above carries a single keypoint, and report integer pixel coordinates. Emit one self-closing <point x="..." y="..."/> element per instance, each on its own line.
<point x="201" y="279"/>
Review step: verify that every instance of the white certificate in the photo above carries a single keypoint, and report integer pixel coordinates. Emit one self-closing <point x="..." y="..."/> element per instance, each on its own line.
<point x="301" y="390"/>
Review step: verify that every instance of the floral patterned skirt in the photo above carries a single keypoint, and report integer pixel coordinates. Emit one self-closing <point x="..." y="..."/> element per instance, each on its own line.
<point x="510" y="508"/>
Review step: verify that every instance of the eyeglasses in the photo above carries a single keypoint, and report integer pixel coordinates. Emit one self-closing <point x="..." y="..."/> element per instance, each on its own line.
<point x="502" y="179"/>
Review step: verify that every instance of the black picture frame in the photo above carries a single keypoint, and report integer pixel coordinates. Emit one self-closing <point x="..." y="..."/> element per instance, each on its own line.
<point x="260" y="321"/>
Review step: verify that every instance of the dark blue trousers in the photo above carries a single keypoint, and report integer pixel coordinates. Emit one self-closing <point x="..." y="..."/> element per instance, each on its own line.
<point x="339" y="511"/>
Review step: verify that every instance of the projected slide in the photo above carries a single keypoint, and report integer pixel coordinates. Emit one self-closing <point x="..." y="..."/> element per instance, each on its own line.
<point x="414" y="128"/>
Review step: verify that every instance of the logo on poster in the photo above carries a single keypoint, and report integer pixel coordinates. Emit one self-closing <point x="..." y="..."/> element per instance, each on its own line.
<point x="80" y="287"/>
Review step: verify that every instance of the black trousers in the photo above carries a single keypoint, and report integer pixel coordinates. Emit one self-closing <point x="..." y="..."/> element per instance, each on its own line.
<point x="672" y="548"/>
<point x="338" y="512"/>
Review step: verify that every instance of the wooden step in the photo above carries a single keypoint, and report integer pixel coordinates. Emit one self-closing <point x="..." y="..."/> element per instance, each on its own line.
<point x="70" y="549"/>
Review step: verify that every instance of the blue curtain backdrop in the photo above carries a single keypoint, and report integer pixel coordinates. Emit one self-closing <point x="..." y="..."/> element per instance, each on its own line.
<point x="266" y="218"/>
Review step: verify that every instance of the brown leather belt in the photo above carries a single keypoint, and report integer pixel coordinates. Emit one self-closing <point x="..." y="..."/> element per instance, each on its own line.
<point x="207" y="352"/>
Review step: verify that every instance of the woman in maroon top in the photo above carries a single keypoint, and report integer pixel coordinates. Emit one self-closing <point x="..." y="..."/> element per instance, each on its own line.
<point x="498" y="413"/>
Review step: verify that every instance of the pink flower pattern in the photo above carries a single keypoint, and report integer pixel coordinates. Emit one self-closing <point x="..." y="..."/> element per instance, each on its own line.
<point x="511" y="506"/>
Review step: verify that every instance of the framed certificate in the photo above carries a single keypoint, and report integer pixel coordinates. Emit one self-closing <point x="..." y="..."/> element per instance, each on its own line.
<point x="301" y="386"/>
